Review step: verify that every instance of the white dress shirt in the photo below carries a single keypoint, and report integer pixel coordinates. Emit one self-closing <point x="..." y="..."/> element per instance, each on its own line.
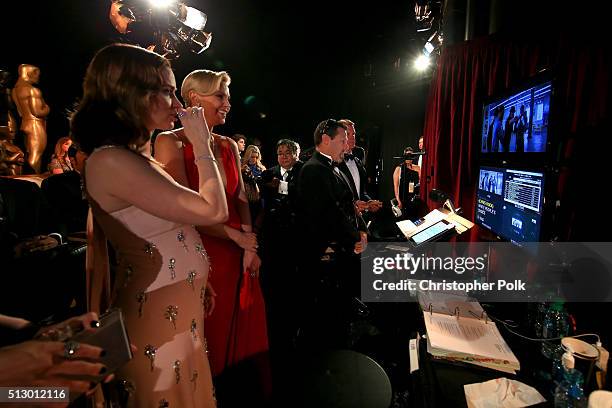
<point x="352" y="166"/>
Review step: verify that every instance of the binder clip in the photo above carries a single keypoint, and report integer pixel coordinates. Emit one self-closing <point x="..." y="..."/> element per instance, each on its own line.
<point x="484" y="316"/>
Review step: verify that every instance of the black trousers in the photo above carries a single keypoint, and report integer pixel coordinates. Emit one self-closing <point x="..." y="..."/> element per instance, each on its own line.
<point x="329" y="286"/>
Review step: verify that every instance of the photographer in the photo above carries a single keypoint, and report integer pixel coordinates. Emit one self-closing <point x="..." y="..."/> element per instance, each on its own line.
<point x="406" y="179"/>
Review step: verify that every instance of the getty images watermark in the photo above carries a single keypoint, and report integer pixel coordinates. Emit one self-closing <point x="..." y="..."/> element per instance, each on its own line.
<point x="493" y="272"/>
<point x="410" y="264"/>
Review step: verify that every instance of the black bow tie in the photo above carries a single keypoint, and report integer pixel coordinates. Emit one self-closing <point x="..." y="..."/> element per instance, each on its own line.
<point x="349" y="156"/>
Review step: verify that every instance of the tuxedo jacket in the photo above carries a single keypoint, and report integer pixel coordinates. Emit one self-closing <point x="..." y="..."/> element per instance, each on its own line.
<point x="359" y="153"/>
<point x="280" y="210"/>
<point x="326" y="207"/>
<point x="65" y="197"/>
<point x="363" y="179"/>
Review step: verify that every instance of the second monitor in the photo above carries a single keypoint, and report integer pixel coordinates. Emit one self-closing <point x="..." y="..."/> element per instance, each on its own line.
<point x="509" y="203"/>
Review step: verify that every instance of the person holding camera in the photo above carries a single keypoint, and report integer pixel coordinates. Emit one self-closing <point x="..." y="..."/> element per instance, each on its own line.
<point x="406" y="179"/>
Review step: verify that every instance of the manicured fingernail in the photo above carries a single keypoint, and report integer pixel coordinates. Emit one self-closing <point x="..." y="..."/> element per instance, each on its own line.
<point x="94" y="324"/>
<point x="103" y="353"/>
<point x="102" y="370"/>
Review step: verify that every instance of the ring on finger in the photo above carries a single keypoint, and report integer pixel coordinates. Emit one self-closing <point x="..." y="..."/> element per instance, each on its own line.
<point x="70" y="349"/>
<point x="181" y="114"/>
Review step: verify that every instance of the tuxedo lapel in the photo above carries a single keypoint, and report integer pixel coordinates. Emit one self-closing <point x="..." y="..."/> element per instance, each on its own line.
<point x="348" y="179"/>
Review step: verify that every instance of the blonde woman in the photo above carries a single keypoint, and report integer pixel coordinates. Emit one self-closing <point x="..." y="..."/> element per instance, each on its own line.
<point x="252" y="160"/>
<point x="237" y="330"/>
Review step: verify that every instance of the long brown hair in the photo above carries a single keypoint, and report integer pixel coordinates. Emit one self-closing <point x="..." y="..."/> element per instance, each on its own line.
<point x="117" y="88"/>
<point x="58" y="152"/>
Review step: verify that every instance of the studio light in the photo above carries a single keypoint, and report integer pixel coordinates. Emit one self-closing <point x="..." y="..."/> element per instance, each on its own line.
<point x="168" y="27"/>
<point x="429" y="18"/>
<point x="160" y="4"/>
<point x="194" y="18"/>
<point x="421" y="63"/>
<point x="433" y="43"/>
<point x="427" y="14"/>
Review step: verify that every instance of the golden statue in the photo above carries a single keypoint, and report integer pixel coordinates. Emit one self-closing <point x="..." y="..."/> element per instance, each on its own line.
<point x="33" y="111"/>
<point x="12" y="156"/>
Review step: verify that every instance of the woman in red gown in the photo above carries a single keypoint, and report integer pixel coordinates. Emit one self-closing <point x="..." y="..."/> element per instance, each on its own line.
<point x="236" y="331"/>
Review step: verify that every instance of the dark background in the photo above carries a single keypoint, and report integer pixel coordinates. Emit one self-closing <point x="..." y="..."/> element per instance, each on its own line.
<point x="292" y="65"/>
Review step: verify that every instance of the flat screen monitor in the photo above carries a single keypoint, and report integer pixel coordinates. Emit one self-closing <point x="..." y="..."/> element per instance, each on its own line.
<point x="509" y="203"/>
<point x="517" y="123"/>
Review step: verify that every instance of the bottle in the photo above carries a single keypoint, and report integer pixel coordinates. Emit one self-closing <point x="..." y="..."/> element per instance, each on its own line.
<point x="558" y="369"/>
<point x="556" y="324"/>
<point x="538" y="318"/>
<point x="569" y="393"/>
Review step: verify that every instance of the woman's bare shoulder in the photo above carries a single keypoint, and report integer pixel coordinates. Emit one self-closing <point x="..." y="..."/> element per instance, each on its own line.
<point x="177" y="135"/>
<point x="113" y="156"/>
<point x="226" y="142"/>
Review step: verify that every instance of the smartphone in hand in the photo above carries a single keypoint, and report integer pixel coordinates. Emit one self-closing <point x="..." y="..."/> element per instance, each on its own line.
<point x="112" y="337"/>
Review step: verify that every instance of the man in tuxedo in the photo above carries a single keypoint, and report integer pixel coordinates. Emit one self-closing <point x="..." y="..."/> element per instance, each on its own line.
<point x="278" y="186"/>
<point x="333" y="233"/>
<point x="420" y="162"/>
<point x="352" y="166"/>
<point x="278" y="248"/>
<point x="355" y="150"/>
<point x="326" y="197"/>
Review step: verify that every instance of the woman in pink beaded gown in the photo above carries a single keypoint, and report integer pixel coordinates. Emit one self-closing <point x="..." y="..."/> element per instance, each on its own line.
<point x="161" y="269"/>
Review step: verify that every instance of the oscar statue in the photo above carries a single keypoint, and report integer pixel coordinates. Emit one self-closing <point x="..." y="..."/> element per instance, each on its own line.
<point x="14" y="157"/>
<point x="33" y="111"/>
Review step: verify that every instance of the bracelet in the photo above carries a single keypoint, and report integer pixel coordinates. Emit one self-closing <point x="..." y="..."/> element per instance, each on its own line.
<point x="205" y="157"/>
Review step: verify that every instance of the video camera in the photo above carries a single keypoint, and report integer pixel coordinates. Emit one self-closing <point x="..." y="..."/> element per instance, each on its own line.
<point x="169" y="27"/>
<point x="414" y="156"/>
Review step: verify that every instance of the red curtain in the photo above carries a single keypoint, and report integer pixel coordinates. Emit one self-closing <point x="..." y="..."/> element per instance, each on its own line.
<point x="469" y="72"/>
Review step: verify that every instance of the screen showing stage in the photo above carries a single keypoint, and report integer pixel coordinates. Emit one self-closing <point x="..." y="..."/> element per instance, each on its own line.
<point x="517" y="123"/>
<point x="509" y="203"/>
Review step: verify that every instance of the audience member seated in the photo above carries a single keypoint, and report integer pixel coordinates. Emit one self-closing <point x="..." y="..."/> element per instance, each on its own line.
<point x="36" y="268"/>
<point x="25" y="208"/>
<point x="60" y="163"/>
<point x="65" y="196"/>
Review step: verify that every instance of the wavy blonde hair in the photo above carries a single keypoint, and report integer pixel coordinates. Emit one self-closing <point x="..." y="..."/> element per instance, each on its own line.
<point x="247" y="155"/>
<point x="204" y="82"/>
